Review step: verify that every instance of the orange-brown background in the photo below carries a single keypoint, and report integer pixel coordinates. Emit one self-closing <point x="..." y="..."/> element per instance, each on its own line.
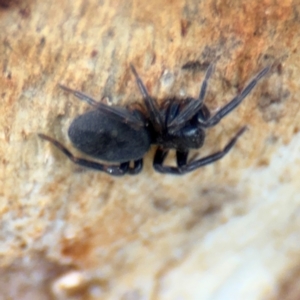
<point x="152" y="236"/>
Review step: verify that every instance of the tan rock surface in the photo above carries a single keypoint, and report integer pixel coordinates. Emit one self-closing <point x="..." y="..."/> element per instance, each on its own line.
<point x="230" y="230"/>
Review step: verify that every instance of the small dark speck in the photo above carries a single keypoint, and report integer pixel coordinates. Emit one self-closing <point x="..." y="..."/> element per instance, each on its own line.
<point x="268" y="56"/>
<point x="296" y="130"/>
<point x="195" y="65"/>
<point x="6" y="3"/>
<point x="3" y="95"/>
<point x="184" y="27"/>
<point x="272" y="139"/>
<point x="153" y="59"/>
<point x="25" y="13"/>
<point x="279" y="68"/>
<point x="111" y="33"/>
<point x="270" y="105"/>
<point x="42" y="41"/>
<point x="94" y="53"/>
<point x="263" y="162"/>
<point x="9" y="75"/>
<point x="162" y="204"/>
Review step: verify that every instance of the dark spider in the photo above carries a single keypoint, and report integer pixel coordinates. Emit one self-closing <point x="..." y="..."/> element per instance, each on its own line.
<point x="121" y="135"/>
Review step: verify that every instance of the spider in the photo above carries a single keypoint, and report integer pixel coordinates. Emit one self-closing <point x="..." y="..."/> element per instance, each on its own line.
<point x="121" y="135"/>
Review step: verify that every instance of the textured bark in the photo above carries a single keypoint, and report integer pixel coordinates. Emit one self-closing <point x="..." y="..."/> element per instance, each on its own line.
<point x="227" y="231"/>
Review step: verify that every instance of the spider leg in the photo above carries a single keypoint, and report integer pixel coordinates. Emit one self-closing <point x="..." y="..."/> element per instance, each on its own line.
<point x="115" y="112"/>
<point x="181" y="158"/>
<point x="114" y="170"/>
<point x="161" y="154"/>
<point x="137" y="168"/>
<point x="80" y="95"/>
<point x="235" y="101"/>
<point x="194" y="106"/>
<point x="204" y="113"/>
<point x="150" y="103"/>
<point x="204" y="83"/>
<point x="159" y="158"/>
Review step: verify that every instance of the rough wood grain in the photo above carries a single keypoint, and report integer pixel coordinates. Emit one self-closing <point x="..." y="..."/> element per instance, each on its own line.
<point x="227" y="231"/>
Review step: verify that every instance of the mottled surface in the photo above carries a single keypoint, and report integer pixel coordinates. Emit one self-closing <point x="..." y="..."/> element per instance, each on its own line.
<point x="227" y="231"/>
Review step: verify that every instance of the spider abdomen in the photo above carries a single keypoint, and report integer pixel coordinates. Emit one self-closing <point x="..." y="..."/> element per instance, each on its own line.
<point x="98" y="135"/>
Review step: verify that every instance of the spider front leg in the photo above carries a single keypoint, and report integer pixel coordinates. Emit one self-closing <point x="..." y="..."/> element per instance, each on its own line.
<point x="150" y="103"/>
<point x="115" y="170"/>
<point x="183" y="168"/>
<point x="118" y="113"/>
<point x="194" y="106"/>
<point x="225" y="110"/>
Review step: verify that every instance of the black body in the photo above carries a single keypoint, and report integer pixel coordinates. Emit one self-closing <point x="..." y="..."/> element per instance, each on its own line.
<point x="97" y="134"/>
<point x="122" y="135"/>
